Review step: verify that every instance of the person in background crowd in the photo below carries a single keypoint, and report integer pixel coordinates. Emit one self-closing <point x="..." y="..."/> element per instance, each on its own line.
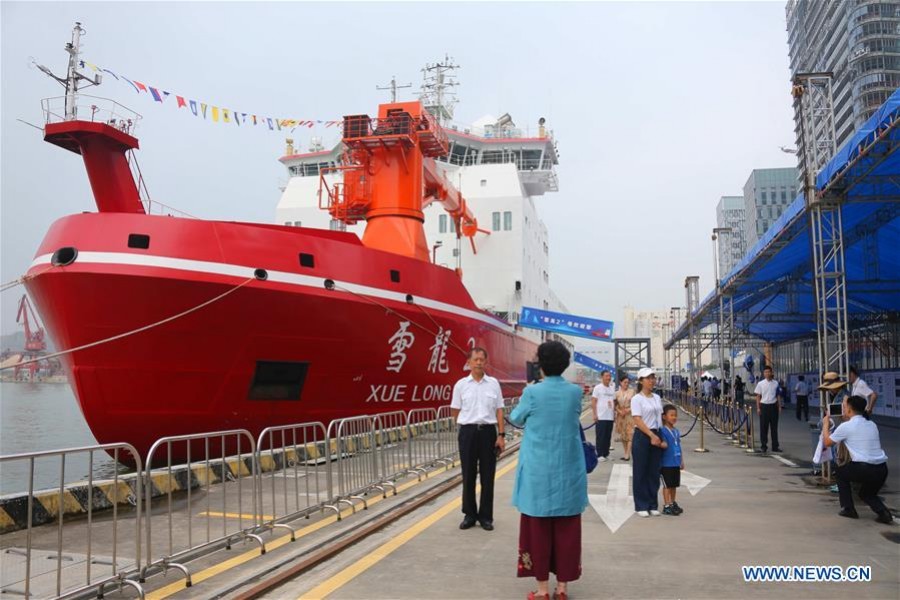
<point x="768" y="405"/>
<point x="603" y="402"/>
<point x="716" y="388"/>
<point x="858" y="387"/>
<point x="551" y="481"/>
<point x="868" y="462"/>
<point x="477" y="406"/>
<point x="624" y="422"/>
<point x="646" y="451"/>
<point x="739" y="389"/>
<point x="782" y="391"/>
<point x="672" y="463"/>
<point x="707" y="387"/>
<point x="801" y="392"/>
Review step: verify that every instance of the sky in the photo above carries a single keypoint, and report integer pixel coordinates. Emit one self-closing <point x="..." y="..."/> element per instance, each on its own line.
<point x="659" y="110"/>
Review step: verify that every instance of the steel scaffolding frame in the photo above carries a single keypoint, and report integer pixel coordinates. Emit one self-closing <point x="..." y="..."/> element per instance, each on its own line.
<point x="813" y="91"/>
<point x="632" y="354"/>
<point x="692" y="300"/>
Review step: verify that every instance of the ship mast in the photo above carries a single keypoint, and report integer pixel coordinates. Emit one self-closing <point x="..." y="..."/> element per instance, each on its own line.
<point x="72" y="74"/>
<point x="437" y="96"/>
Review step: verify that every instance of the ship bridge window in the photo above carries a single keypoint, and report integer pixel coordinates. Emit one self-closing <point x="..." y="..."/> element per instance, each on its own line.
<point x="276" y="380"/>
<point x="307" y="260"/>
<point x="138" y="240"/>
<point x="395" y="275"/>
<point x="507" y="221"/>
<point x="442" y="223"/>
<point x="495" y="221"/>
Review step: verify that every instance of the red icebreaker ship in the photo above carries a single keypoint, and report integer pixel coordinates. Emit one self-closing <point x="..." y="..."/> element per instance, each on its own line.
<point x="246" y="325"/>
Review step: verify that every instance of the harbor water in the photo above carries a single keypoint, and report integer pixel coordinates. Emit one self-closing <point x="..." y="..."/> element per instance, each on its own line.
<point x="44" y="416"/>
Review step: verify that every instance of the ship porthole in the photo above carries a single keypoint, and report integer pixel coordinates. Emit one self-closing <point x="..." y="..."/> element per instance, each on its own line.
<point x="410" y="299"/>
<point x="329" y="284"/>
<point x="64" y="257"/>
<point x="261" y="274"/>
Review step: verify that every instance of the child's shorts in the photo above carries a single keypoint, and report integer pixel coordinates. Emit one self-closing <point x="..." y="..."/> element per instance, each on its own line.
<point x="671" y="476"/>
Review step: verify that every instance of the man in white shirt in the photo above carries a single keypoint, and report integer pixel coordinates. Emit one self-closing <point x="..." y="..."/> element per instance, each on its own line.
<point x="768" y="405"/>
<point x="801" y="393"/>
<point x="603" y="401"/>
<point x="477" y="406"/>
<point x="858" y="387"/>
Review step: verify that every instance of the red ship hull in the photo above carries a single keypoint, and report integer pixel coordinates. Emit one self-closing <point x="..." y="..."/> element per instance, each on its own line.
<point x="196" y="373"/>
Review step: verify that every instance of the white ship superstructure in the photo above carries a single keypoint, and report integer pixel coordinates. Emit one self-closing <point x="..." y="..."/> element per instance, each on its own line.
<point x="501" y="171"/>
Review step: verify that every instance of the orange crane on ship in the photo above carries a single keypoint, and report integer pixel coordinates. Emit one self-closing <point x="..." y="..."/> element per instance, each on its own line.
<point x="390" y="176"/>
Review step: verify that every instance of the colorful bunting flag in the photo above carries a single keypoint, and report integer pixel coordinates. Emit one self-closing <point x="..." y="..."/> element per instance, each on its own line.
<point x="199" y="109"/>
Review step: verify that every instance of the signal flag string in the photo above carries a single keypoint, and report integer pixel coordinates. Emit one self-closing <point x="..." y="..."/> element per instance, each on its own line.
<point x="134" y="331"/>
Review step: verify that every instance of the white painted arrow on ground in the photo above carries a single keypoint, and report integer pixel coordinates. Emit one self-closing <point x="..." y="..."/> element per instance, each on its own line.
<point x="694" y="483"/>
<point x="617" y="505"/>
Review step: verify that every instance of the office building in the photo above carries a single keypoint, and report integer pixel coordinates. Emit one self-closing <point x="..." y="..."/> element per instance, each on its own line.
<point x="730" y="213"/>
<point x="766" y="194"/>
<point x="858" y="41"/>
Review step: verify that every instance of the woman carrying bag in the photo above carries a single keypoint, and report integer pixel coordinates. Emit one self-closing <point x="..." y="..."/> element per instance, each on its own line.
<point x="551" y="479"/>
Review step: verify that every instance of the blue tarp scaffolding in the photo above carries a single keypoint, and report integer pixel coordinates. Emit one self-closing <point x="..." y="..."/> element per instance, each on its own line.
<point x="772" y="287"/>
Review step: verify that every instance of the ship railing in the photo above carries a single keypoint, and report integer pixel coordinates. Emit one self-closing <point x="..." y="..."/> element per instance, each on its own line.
<point x="294" y="469"/>
<point x="424" y="442"/>
<point x="90" y="108"/>
<point x="447" y="435"/>
<point x="87" y="554"/>
<point x="224" y="458"/>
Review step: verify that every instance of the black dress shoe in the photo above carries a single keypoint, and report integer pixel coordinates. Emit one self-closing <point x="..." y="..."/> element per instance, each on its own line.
<point x="885" y="517"/>
<point x="779" y="450"/>
<point x="850" y="513"/>
<point x="487" y="525"/>
<point x="467" y="523"/>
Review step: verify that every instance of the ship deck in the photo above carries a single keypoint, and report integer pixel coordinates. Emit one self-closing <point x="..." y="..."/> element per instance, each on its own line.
<point x="740" y="510"/>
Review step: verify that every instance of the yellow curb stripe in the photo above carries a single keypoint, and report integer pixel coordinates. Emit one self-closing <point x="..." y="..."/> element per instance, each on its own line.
<point x="174" y="588"/>
<point x="375" y="556"/>
<point x="210" y="513"/>
<point x="70" y="504"/>
<point x="6" y="522"/>
<point x="116" y="494"/>
<point x="164" y="483"/>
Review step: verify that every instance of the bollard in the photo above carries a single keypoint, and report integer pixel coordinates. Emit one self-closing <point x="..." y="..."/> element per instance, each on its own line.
<point x="750" y="441"/>
<point x="702" y="448"/>
<point x="742" y="431"/>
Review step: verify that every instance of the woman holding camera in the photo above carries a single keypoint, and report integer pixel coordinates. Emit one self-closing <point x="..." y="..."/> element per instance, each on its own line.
<point x="551" y="480"/>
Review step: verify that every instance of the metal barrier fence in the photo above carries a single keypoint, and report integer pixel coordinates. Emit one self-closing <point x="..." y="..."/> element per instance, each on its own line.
<point x="207" y="458"/>
<point x="293" y="465"/>
<point x="448" y="445"/>
<point x="392" y="438"/>
<point x="351" y="444"/>
<point x="423" y="443"/>
<point x="84" y="569"/>
<point x="204" y="482"/>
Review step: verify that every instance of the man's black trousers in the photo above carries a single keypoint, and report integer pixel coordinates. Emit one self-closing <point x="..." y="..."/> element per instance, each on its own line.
<point x="604" y="435"/>
<point x="476" y="453"/>
<point x="768" y="417"/>
<point x="872" y="478"/>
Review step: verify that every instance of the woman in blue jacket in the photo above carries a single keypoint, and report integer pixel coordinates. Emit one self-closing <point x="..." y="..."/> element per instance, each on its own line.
<point x="551" y="481"/>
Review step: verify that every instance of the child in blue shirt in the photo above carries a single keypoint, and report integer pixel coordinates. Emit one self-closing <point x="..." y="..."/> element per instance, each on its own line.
<point x="672" y="461"/>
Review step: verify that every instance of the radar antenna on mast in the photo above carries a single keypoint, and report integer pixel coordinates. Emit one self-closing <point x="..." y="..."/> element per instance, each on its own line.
<point x="393" y="87"/>
<point x="73" y="75"/>
<point x="437" y="95"/>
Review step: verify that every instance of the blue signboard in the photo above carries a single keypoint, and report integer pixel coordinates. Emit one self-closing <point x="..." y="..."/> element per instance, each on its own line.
<point x="586" y="327"/>
<point x="596" y="365"/>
